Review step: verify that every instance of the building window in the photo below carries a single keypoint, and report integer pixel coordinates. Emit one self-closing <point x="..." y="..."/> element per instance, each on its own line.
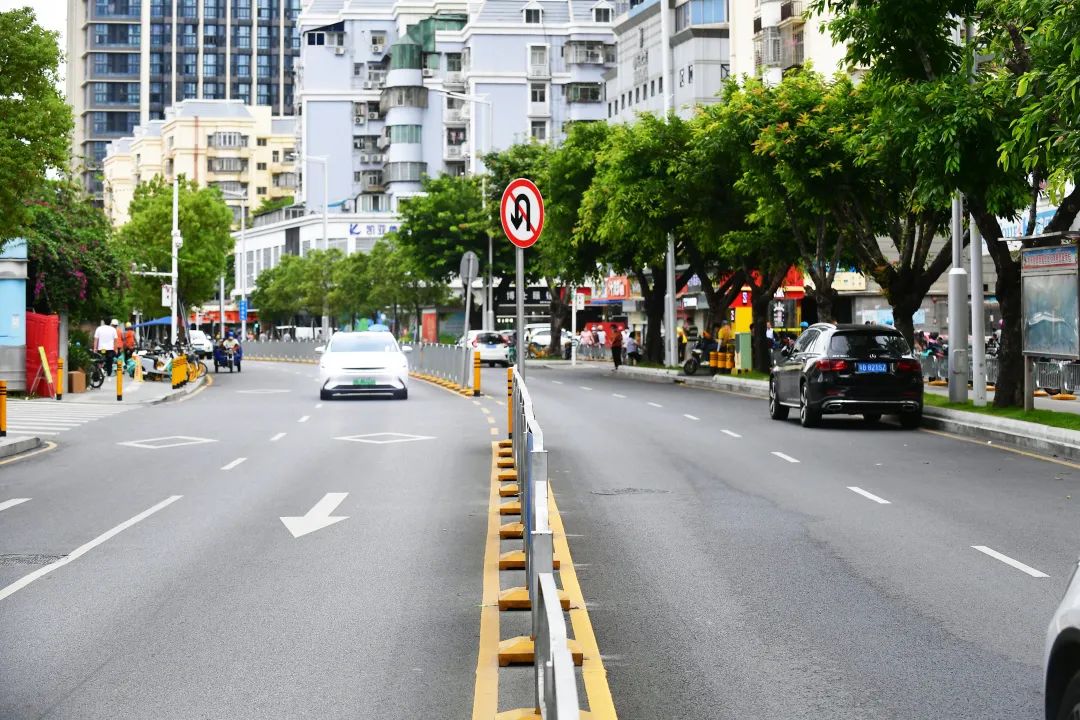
<point x="453" y="62"/>
<point x="404" y="171"/>
<point x="242" y="37"/>
<point x="682" y="77"/>
<point x="227" y="140"/>
<point x="641" y="37"/>
<point x="533" y="16"/>
<point x="212" y="9"/>
<point x="260" y="190"/>
<point x="213" y="91"/>
<point x="189" y="8"/>
<point x="242" y="66"/>
<point x="190" y="38"/>
<point x="538" y="56"/>
<point x="378" y="42"/>
<point x="243" y="92"/>
<point x="260" y="142"/>
<point x="455" y="136"/>
<point x="538" y="130"/>
<point x="191" y="90"/>
<point x="690" y="73"/>
<point x="405" y="134"/>
<point x="652" y="88"/>
<point x="241" y="9"/>
<point x="637" y="95"/>
<point x="189" y="64"/>
<point x="373" y="203"/>
<point x="210" y="65"/>
<point x="275" y="156"/>
<point x="602" y="15"/>
<point x="264" y="10"/>
<point x="538" y="92"/>
<point x="660" y="84"/>
<point x="226" y="164"/>
<point x="264" y="37"/>
<point x="316" y="38"/>
<point x="264" y="66"/>
<point x="609" y="109"/>
<point x="584" y="92"/>
<point x="260" y="166"/>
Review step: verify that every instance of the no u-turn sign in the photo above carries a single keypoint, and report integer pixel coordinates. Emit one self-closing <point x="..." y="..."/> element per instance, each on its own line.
<point x="522" y="212"/>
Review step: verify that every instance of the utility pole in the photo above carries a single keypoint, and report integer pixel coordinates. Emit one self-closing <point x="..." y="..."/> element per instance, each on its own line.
<point x="958" y="288"/>
<point x="177" y="243"/>
<point x="670" y="348"/>
<point x="243" y="270"/>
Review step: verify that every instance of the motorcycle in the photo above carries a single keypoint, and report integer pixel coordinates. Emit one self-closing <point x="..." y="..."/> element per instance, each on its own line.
<point x="698" y="356"/>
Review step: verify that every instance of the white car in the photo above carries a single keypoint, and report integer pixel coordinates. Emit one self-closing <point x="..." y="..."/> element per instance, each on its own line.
<point x="493" y="347"/>
<point x="1063" y="656"/>
<point x="201" y="343"/>
<point x="363" y="363"/>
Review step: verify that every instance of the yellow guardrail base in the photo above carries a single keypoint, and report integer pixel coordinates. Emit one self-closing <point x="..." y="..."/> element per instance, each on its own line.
<point x="504" y="444"/>
<point x="509" y="490"/>
<point x="511" y="531"/>
<point x="1063" y="396"/>
<point x="505" y="462"/>
<point x="505" y="452"/>
<point x="1041" y="393"/>
<point x="510" y="508"/>
<point x="515" y="560"/>
<point x="517" y="598"/>
<point x="508" y="476"/>
<point x="520" y="650"/>
<point x="938" y="383"/>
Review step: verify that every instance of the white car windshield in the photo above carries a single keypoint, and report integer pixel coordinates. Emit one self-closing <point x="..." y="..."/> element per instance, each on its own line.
<point x="363" y="343"/>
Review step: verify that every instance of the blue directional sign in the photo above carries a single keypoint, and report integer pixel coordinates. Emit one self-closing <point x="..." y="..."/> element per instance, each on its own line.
<point x="243" y="308"/>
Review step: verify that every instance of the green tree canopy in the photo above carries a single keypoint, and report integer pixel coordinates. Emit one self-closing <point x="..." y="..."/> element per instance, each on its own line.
<point x="35" y="122"/>
<point x="438" y="226"/>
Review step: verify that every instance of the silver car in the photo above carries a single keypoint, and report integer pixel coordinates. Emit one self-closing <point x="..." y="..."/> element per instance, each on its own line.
<point x="1063" y="656"/>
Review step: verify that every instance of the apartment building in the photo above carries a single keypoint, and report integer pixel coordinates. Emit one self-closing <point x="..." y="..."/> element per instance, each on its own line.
<point x="389" y="92"/>
<point x="129" y="60"/>
<point x="242" y="149"/>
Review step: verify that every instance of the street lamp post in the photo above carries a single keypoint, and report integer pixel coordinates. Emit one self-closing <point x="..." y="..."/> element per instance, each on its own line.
<point x="325" y="161"/>
<point x="241" y="262"/>
<point x="670" y="346"/>
<point x="474" y="167"/>
<point x="177" y="243"/>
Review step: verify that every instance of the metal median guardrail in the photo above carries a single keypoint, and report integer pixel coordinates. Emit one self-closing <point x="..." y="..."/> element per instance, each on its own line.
<point x="448" y="363"/>
<point x="556" y="684"/>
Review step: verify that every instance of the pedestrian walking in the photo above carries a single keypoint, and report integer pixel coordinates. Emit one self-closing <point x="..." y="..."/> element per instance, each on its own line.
<point x="105" y="343"/>
<point x="683" y="333"/>
<point x="601" y="342"/>
<point x="633" y="350"/>
<point x="616" y="347"/>
<point x="129" y="342"/>
<point x="585" y="342"/>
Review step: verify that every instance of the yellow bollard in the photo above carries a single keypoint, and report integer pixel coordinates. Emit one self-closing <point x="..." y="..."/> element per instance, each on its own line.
<point x="712" y="359"/>
<point x="476" y="373"/>
<point x="3" y="408"/>
<point x="119" y="380"/>
<point x="59" y="378"/>
<point x="510" y="402"/>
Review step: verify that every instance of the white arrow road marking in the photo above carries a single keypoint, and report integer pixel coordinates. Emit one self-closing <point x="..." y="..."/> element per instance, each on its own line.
<point x="12" y="503"/>
<point x="782" y="456"/>
<point x="731" y="434"/>
<point x="83" y="549"/>
<point x="870" y="496"/>
<point x="317" y="517"/>
<point x="1009" y="561"/>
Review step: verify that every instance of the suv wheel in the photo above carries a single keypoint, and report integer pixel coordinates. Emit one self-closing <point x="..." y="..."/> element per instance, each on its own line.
<point x="1069" y="708"/>
<point x="776" y="410"/>
<point x="808" y="417"/>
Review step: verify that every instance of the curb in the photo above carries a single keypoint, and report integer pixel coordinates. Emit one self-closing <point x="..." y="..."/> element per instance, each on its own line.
<point x="187" y="390"/>
<point x="1013" y="434"/>
<point x="10" y="446"/>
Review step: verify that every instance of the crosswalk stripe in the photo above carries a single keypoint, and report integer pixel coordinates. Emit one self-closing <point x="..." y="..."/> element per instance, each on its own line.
<point x="40" y="417"/>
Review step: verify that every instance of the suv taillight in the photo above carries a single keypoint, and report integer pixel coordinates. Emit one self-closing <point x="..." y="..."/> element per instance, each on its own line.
<point x="830" y="365"/>
<point x="908" y="365"/>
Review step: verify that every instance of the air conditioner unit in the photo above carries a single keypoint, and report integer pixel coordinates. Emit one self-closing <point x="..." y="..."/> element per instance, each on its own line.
<point x="368" y="84"/>
<point x="364" y="158"/>
<point x="359" y="120"/>
<point x="428" y="72"/>
<point x="377" y="49"/>
<point x="373" y="115"/>
<point x="339" y="51"/>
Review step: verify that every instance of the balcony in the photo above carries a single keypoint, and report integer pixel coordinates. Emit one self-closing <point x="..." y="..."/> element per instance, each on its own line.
<point x="540" y="71"/>
<point x="456" y="152"/>
<point x="791" y="10"/>
<point x="792" y="54"/>
<point x="539" y="109"/>
<point x="454" y="79"/>
<point x="454" y="116"/>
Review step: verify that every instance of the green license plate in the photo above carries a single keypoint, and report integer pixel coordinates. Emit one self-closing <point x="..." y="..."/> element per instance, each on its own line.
<point x="363" y="381"/>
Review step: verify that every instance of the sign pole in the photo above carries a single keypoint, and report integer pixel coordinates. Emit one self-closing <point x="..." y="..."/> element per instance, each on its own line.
<point x="468" y="353"/>
<point x="520" y="299"/>
<point x="573" y="329"/>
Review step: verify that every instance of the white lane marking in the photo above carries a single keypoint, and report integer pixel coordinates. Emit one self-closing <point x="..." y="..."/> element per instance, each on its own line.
<point x="15" y="430"/>
<point x="1009" y="561"/>
<point x="655" y="404"/>
<point x="318" y="405"/>
<point x="304" y="418"/>
<point x="584" y="388"/>
<point x="782" y="456"/>
<point x="12" y="503"/>
<point x="233" y="464"/>
<point x="475" y="402"/>
<point x="618" y="395"/>
<point x="277" y="437"/>
<point x="83" y="549"/>
<point x="500" y="402"/>
<point x="870" y="496"/>
<point x="691" y="417"/>
<point x="490" y="419"/>
<point x="318" y="517"/>
<point x="485" y="410"/>
<point x="494" y="431"/>
<point x="731" y="434"/>
<point x="557" y="382"/>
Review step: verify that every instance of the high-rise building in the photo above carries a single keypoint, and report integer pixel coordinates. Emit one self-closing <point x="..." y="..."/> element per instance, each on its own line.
<point x="128" y="60"/>
<point x="241" y="149"/>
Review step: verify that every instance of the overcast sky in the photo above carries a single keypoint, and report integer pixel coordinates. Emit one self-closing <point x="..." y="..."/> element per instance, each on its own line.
<point x="52" y="14"/>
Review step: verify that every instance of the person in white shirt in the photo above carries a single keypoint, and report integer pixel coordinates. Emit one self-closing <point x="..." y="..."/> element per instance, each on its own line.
<point x="105" y="343"/>
<point x="601" y="342"/>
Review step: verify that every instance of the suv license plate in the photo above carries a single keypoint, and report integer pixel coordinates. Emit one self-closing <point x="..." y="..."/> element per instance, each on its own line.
<point x="363" y="381"/>
<point x="871" y="367"/>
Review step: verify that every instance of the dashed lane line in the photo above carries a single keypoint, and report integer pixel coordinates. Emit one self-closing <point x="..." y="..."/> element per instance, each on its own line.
<point x="690" y="417"/>
<point x="585" y="388"/>
<point x="731" y="434"/>
<point x="233" y="464"/>
<point x="83" y="549"/>
<point x="1011" y="562"/>
<point x="12" y="503"/>
<point x="557" y="382"/>
<point x="484" y="410"/>
<point x="618" y="395"/>
<point x="655" y="404"/>
<point x="304" y="418"/>
<point x="868" y="496"/>
<point x="277" y="437"/>
<point x="782" y="456"/>
<point x="318" y="405"/>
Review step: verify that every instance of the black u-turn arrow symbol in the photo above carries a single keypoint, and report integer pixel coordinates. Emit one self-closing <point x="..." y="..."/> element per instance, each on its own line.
<point x="519" y="215"/>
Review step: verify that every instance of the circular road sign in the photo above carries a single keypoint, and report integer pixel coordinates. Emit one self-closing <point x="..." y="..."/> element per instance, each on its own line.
<point x="522" y="212"/>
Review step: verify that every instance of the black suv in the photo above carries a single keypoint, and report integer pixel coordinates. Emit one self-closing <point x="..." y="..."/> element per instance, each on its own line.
<point x="847" y="369"/>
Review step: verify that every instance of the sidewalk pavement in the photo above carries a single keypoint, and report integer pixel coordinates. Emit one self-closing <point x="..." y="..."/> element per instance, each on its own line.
<point x="1015" y="434"/>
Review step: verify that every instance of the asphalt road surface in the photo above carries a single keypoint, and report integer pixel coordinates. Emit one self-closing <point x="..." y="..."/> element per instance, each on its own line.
<point x="203" y="604"/>
<point x="739" y="567"/>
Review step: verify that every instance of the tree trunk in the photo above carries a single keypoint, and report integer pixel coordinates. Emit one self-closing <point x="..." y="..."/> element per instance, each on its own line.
<point x="825" y="301"/>
<point x="560" y="311"/>
<point x="761" y="294"/>
<point x="654" y="315"/>
<point x="904" y="310"/>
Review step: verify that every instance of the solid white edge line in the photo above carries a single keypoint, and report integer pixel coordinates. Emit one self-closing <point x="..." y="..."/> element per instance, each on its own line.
<point x="731" y="434"/>
<point x="277" y="437"/>
<point x="1009" y="561"/>
<point x="690" y="417"/>
<point x="12" y="503"/>
<point x="869" y="496"/>
<point x="782" y="456"/>
<point x="304" y="418"/>
<point x="31" y="431"/>
<point x="233" y="464"/>
<point x="655" y="404"/>
<point x="83" y="549"/>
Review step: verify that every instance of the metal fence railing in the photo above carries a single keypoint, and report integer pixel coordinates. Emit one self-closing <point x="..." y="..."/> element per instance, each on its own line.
<point x="447" y="362"/>
<point x="556" y="685"/>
